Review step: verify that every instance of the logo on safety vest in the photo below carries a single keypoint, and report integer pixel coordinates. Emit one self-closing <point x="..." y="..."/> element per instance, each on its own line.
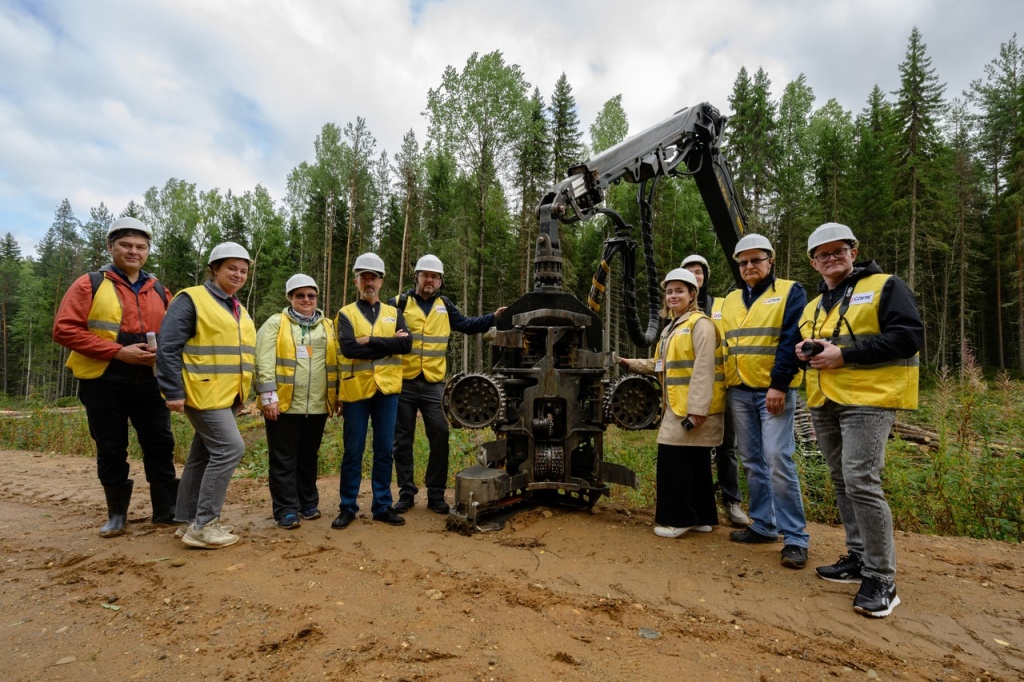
<point x="717" y="315"/>
<point x="440" y="309"/>
<point x="771" y="301"/>
<point x="390" y="319"/>
<point x="858" y="299"/>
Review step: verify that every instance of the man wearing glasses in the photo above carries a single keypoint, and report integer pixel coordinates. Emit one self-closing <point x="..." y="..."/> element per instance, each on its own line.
<point x="861" y="339"/>
<point x="761" y="321"/>
<point x="372" y="336"/>
<point x="431" y="318"/>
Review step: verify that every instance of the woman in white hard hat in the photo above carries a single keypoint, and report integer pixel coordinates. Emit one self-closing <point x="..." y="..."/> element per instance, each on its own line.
<point x="297" y="388"/>
<point x="205" y="363"/>
<point x="693" y="420"/>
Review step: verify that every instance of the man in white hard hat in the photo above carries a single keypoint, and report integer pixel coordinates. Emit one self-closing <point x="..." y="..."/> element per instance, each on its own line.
<point x="431" y="317"/>
<point x="762" y="325"/>
<point x="103" y="320"/>
<point x="861" y="337"/>
<point x="373" y="336"/>
<point x="725" y="454"/>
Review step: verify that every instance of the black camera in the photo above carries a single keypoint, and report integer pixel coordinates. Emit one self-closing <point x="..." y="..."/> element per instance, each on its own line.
<point x="811" y="348"/>
<point x="687" y="424"/>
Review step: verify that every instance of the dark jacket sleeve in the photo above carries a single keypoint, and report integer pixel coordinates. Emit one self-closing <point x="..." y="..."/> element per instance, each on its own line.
<point x="902" y="332"/>
<point x="468" y="325"/>
<point x="786" y="364"/>
<point x="179" y="325"/>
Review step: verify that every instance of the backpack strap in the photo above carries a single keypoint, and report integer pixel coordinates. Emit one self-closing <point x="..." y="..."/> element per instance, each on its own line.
<point x="96" y="279"/>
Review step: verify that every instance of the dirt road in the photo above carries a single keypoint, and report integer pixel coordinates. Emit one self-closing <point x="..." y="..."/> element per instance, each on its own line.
<point x="556" y="595"/>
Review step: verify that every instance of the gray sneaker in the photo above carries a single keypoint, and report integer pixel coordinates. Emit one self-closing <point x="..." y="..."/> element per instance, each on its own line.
<point x="183" y="528"/>
<point x="736" y="516"/>
<point x="210" y="536"/>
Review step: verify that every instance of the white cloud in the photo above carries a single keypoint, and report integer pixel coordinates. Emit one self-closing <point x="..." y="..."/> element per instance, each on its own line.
<point x="101" y="100"/>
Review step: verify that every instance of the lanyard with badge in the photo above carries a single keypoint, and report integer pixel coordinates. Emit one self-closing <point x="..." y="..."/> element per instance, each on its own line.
<point x="304" y="351"/>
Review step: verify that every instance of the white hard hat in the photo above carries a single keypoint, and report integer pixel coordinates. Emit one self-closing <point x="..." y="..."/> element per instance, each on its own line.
<point x="369" y="262"/>
<point x="680" y="275"/>
<point x="430" y="263"/>
<point x="694" y="258"/>
<point x="830" y="232"/>
<point x="228" y="250"/>
<point x="753" y="241"/>
<point x="129" y="224"/>
<point x="297" y="282"/>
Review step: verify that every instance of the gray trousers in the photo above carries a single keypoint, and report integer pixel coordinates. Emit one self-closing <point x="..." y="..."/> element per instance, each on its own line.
<point x="853" y="438"/>
<point x="217" y="448"/>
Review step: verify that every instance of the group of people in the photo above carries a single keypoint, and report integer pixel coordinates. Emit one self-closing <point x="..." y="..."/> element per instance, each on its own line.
<point x="730" y="369"/>
<point x="729" y="366"/>
<point x="140" y="354"/>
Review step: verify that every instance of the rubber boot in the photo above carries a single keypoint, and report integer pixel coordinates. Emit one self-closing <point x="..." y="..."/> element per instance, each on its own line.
<point x="118" y="497"/>
<point x="164" y="496"/>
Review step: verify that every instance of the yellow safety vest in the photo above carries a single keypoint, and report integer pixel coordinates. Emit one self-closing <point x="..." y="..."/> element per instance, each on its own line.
<point x="105" y="322"/>
<point x="679" y="359"/>
<point x="752" y="336"/>
<point x="361" y="379"/>
<point x="218" y="361"/>
<point x="430" y="335"/>
<point x="287" y="362"/>
<point x="892" y="385"/>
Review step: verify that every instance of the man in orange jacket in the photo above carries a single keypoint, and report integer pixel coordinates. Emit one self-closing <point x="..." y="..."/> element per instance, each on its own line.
<point x="104" y="320"/>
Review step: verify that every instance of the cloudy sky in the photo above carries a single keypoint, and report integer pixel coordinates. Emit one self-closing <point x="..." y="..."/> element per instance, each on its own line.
<point x="102" y="99"/>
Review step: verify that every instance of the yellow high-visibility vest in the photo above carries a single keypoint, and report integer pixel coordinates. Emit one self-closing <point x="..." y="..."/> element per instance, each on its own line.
<point x="752" y="336"/>
<point x="361" y="379"/>
<point x="287" y="361"/>
<point x="892" y="385"/>
<point x="430" y="335"/>
<point x="218" y="361"/>
<point x="105" y="322"/>
<point x="679" y="360"/>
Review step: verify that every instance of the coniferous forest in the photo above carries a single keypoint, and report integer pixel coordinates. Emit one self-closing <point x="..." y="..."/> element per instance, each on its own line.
<point x="931" y="181"/>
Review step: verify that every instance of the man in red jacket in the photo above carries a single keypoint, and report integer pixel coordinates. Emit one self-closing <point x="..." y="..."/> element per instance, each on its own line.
<point x="103" y="320"/>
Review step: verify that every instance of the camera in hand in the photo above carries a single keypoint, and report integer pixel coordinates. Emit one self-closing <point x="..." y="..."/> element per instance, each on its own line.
<point x="687" y="424"/>
<point x="811" y="348"/>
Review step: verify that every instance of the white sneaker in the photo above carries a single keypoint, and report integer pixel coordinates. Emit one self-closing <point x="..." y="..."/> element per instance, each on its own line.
<point x="736" y="515"/>
<point x="210" y="536"/>
<point x="183" y="528"/>
<point x="702" y="529"/>
<point x="672" y="531"/>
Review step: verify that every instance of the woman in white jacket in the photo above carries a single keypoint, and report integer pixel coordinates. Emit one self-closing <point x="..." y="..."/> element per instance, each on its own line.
<point x="693" y="389"/>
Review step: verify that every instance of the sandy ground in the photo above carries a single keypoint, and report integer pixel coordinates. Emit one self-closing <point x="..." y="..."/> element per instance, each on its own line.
<point x="556" y="595"/>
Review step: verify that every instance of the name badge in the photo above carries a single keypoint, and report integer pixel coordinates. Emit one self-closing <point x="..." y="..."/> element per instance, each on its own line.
<point x="303" y="352"/>
<point x="658" y="366"/>
<point x="859" y="299"/>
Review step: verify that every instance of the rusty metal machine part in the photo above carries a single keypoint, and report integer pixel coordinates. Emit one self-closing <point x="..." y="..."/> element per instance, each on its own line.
<point x="473" y="401"/>
<point x="633" y="403"/>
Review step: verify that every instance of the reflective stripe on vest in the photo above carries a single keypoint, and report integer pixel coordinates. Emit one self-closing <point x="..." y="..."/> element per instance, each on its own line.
<point x="430" y="335"/>
<point x="287" y="362"/>
<point x="361" y="379"/>
<point x="891" y="385"/>
<point x="104" y="321"/>
<point x="218" y="361"/>
<point x="679" y="361"/>
<point x="752" y="336"/>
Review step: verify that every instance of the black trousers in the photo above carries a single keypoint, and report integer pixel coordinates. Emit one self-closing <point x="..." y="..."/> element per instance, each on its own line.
<point x="728" y="468"/>
<point x="294" y="444"/>
<point x="424" y="396"/>
<point x="109" y="407"/>
<point x="685" y="493"/>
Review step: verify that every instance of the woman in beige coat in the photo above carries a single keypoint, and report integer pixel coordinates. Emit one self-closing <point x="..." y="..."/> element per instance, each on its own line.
<point x="694" y="404"/>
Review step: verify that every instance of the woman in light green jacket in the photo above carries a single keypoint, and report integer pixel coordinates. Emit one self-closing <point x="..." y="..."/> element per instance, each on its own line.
<point x="297" y="384"/>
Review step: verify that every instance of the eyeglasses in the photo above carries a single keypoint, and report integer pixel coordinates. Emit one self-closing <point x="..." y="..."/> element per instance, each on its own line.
<point x="837" y="254"/>
<point x="311" y="297"/>
<point x="752" y="261"/>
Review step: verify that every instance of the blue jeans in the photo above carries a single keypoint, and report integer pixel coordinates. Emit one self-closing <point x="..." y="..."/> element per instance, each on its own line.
<point x="853" y="438"/>
<point x="766" y="445"/>
<point x="382" y="409"/>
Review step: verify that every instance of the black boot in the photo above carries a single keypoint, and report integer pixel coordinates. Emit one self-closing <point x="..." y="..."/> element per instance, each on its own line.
<point x="118" y="497"/>
<point x="164" y="496"/>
